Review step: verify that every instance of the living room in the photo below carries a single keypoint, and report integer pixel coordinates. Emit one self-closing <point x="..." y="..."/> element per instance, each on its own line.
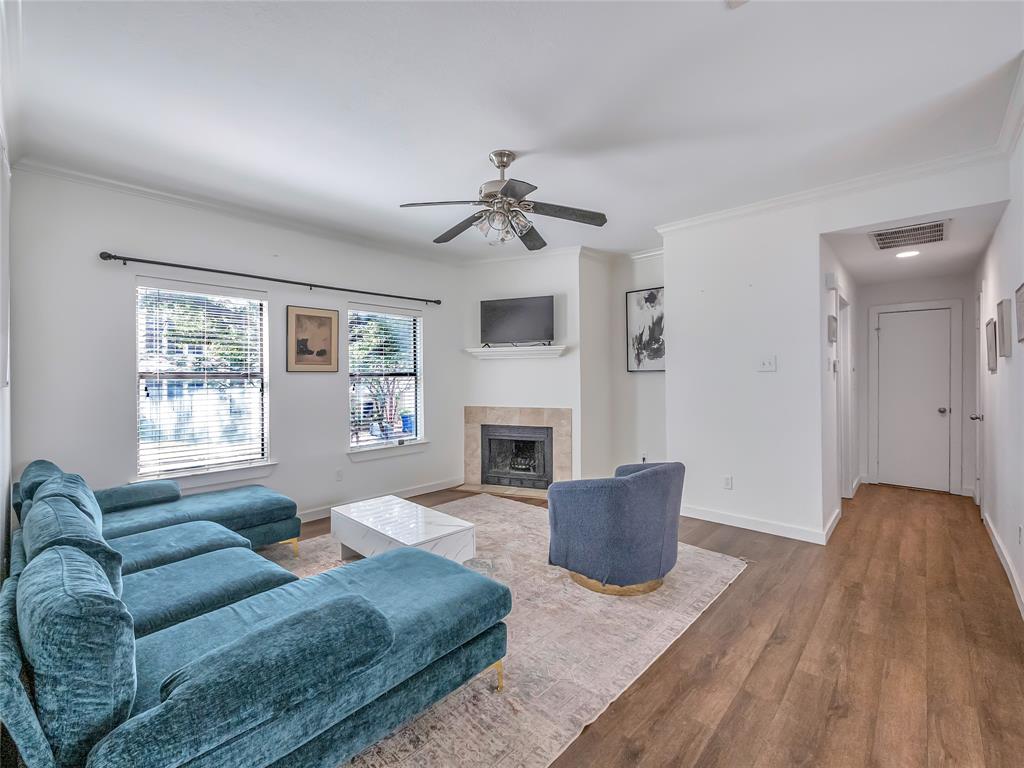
<point x="612" y="479"/>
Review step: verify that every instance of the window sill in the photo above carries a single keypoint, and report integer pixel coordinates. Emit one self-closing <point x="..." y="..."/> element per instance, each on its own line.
<point x="385" y="451"/>
<point x="215" y="476"/>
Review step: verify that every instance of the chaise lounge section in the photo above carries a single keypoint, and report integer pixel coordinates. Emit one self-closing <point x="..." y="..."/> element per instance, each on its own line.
<point x="220" y="658"/>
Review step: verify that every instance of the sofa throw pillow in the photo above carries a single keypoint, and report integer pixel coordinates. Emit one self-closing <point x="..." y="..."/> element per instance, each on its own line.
<point x="74" y="489"/>
<point x="80" y="641"/>
<point x="35" y="474"/>
<point x="56" y="522"/>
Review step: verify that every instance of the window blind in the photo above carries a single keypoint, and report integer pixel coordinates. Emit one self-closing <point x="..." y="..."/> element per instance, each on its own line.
<point x="201" y="380"/>
<point x="385" y="378"/>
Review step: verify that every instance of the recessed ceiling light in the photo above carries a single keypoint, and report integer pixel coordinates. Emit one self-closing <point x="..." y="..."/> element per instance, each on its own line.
<point x="907" y="254"/>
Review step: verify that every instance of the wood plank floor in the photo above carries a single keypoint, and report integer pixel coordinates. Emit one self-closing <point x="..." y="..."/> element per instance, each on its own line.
<point x="899" y="644"/>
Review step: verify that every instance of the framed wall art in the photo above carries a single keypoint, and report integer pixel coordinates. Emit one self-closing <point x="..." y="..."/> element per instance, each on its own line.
<point x="1019" y="296"/>
<point x="312" y="339"/>
<point x="1004" y="327"/>
<point x="645" y="330"/>
<point x="990" y="344"/>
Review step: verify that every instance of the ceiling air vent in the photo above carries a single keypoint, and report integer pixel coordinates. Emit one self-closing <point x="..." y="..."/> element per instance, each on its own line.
<point x="914" y="234"/>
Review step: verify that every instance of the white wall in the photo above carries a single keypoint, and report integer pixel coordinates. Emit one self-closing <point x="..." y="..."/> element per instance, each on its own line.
<point x="903" y="292"/>
<point x="526" y="383"/>
<point x="638" y="399"/>
<point x="745" y="284"/>
<point x="597" y="437"/>
<point x="1003" y="391"/>
<point x="73" y="340"/>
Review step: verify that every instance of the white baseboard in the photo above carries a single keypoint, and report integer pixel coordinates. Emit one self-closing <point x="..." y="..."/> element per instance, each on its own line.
<point x="320" y="513"/>
<point x="832" y="523"/>
<point x="757" y="524"/>
<point x="1015" y="583"/>
<point x="856" y="485"/>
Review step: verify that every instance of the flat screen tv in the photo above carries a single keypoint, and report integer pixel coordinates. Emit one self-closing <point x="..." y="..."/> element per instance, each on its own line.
<point x="517" y="321"/>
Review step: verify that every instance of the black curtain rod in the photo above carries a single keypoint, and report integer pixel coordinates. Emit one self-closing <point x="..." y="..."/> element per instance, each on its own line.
<point x="107" y="256"/>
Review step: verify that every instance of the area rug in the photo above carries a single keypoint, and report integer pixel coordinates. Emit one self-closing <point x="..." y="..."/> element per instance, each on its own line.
<point x="571" y="652"/>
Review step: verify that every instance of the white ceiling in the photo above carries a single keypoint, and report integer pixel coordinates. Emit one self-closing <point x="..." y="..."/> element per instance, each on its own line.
<point x="968" y="234"/>
<point x="334" y="113"/>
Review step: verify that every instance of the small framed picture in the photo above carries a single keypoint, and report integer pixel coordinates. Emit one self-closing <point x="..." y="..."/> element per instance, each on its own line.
<point x="990" y="343"/>
<point x="312" y="339"/>
<point x="1004" y="326"/>
<point x="645" y="330"/>
<point x="833" y="329"/>
<point x="1019" y="296"/>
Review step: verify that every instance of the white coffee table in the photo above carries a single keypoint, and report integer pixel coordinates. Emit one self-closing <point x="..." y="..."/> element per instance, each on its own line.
<point x="377" y="525"/>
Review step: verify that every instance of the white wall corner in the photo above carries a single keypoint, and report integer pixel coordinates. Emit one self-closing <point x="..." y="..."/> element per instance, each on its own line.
<point x="1011" y="572"/>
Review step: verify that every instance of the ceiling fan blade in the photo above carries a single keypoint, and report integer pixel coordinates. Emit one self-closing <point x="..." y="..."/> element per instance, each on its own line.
<point x="443" y="202"/>
<point x="532" y="240"/>
<point x="593" y="218"/>
<point x="458" y="229"/>
<point x="516" y="189"/>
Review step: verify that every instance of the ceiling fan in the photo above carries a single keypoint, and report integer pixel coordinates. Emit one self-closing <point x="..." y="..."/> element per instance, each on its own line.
<point x="504" y="207"/>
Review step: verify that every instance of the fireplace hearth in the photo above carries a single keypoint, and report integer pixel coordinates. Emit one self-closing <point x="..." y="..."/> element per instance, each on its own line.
<point x="519" y="457"/>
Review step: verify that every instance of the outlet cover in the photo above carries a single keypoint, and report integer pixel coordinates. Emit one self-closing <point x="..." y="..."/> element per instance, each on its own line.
<point x="727" y="482"/>
<point x="767" y="364"/>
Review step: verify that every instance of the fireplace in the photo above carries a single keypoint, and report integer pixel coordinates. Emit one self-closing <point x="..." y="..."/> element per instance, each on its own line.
<point x="519" y="457"/>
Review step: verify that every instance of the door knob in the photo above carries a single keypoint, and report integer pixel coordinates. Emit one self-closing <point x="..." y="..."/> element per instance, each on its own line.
<point x="977" y="417"/>
<point x="942" y="410"/>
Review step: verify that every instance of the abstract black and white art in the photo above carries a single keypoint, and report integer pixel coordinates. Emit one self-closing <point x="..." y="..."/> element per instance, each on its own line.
<point x="645" y="330"/>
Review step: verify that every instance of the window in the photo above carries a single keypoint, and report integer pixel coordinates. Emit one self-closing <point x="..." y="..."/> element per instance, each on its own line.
<point x="202" y="380"/>
<point x="385" y="377"/>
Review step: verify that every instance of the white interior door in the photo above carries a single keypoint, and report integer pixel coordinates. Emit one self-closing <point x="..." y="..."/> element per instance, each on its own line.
<point x="914" y="408"/>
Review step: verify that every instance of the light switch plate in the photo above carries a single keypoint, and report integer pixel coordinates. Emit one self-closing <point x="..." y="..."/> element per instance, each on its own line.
<point x="767" y="364"/>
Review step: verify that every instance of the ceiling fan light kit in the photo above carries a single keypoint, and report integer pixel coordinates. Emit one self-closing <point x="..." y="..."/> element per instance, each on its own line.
<point x="504" y="208"/>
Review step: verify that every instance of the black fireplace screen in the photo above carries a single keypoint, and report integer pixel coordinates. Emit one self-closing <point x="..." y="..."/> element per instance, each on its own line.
<point x="515" y="456"/>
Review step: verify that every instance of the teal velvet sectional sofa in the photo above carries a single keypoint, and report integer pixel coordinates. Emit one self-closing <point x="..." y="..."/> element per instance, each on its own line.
<point x="178" y="646"/>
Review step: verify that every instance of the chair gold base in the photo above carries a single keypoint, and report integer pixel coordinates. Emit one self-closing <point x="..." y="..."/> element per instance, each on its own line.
<point x="295" y="544"/>
<point x="499" y="667"/>
<point x="613" y="589"/>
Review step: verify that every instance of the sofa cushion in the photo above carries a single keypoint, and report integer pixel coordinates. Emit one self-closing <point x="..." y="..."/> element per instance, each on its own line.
<point x="35" y="474"/>
<point x="150" y="549"/>
<point x="78" y="638"/>
<point x="74" y="489"/>
<point x="434" y="605"/>
<point x="286" y="660"/>
<point x="140" y="494"/>
<point x="172" y="593"/>
<point x="234" y="508"/>
<point x="275" y="683"/>
<point x="55" y="521"/>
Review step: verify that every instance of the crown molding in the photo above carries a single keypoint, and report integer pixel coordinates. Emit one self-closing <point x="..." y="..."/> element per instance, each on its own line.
<point x="858" y="184"/>
<point x="210" y="204"/>
<point x="653" y="253"/>
<point x="528" y="256"/>
<point x="1013" y="118"/>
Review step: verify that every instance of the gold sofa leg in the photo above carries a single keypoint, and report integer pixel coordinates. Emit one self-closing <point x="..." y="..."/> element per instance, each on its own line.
<point x="499" y="667"/>
<point x="295" y="544"/>
<point x="611" y="589"/>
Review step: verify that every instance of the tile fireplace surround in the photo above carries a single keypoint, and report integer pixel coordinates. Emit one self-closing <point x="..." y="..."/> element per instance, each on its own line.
<point x="559" y="419"/>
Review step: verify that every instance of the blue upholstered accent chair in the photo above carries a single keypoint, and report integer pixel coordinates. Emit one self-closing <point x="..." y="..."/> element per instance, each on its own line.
<point x="618" y="535"/>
